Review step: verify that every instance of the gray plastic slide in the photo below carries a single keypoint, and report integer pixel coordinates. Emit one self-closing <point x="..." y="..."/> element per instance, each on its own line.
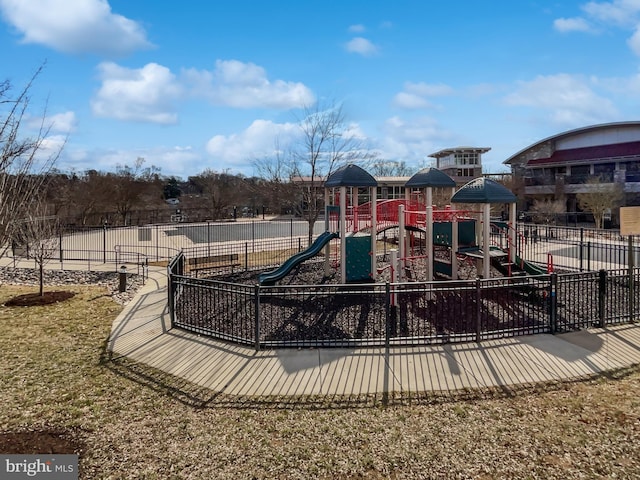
<point x="271" y="277"/>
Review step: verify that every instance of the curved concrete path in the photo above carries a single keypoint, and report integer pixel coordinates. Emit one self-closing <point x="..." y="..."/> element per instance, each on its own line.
<point x="142" y="332"/>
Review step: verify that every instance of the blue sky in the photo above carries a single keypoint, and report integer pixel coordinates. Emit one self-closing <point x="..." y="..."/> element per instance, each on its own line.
<point x="213" y="84"/>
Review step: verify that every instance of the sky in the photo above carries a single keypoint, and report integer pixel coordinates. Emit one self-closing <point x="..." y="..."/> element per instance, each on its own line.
<point x="220" y="84"/>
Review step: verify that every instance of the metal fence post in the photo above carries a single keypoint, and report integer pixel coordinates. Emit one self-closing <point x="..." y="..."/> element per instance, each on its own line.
<point x="602" y="296"/>
<point x="170" y="290"/>
<point x="387" y="322"/>
<point x="478" y="311"/>
<point x="553" y="303"/>
<point x="581" y="247"/>
<point x="246" y="256"/>
<point x="104" y="243"/>
<point x="256" y="299"/>
<point x="632" y="286"/>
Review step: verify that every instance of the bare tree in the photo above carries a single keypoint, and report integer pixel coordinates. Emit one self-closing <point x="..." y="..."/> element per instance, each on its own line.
<point x="39" y="233"/>
<point x="24" y="160"/>
<point x="546" y="210"/>
<point x="326" y="143"/>
<point x="221" y="190"/>
<point x="389" y="168"/>
<point x="131" y="187"/>
<point x="602" y="197"/>
<point x="275" y="185"/>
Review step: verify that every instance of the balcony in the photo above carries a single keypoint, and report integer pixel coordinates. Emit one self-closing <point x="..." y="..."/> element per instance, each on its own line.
<point x="632" y="177"/>
<point x="540" y="180"/>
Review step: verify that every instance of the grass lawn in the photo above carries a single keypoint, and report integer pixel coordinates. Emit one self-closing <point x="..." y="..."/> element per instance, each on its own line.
<point x="59" y="388"/>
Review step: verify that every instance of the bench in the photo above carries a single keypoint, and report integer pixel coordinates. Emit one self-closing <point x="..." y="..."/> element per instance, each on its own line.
<point x="213" y="262"/>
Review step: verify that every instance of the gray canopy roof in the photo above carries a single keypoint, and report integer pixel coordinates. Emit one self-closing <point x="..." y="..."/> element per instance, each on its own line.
<point x="483" y="190"/>
<point x="350" y="176"/>
<point x="430" y="177"/>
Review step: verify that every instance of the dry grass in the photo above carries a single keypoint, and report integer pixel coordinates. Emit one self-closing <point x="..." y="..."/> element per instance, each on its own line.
<point x="133" y="422"/>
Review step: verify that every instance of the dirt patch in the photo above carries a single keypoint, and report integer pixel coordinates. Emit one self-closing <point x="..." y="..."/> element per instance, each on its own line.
<point x="35" y="299"/>
<point x="34" y="442"/>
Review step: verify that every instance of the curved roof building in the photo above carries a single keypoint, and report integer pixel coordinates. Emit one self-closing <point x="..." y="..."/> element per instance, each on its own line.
<point x="559" y="166"/>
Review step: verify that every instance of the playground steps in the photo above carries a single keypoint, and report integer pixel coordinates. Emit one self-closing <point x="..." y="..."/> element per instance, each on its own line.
<point x="499" y="260"/>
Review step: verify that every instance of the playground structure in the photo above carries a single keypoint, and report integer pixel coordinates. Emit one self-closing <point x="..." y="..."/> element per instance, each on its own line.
<point x="354" y="218"/>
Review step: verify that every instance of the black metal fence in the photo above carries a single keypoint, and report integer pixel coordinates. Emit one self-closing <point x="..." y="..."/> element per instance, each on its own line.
<point x="403" y="314"/>
<point x="258" y="243"/>
<point x="577" y="249"/>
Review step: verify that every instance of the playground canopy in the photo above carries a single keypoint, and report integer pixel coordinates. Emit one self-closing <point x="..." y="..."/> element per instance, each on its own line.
<point x="483" y="190"/>
<point x="430" y="177"/>
<point x="351" y="176"/>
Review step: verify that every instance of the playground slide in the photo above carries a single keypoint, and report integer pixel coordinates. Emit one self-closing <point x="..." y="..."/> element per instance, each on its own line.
<point x="269" y="278"/>
<point x="531" y="268"/>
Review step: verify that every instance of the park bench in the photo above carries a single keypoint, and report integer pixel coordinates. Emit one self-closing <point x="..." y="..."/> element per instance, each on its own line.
<point x="213" y="262"/>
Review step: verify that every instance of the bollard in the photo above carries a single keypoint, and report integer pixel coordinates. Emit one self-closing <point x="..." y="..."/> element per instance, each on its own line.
<point x="123" y="279"/>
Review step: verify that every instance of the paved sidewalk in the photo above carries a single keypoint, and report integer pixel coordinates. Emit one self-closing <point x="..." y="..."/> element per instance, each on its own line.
<point x="142" y="333"/>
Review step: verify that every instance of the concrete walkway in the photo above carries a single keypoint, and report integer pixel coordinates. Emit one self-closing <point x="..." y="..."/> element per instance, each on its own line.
<point x="142" y="333"/>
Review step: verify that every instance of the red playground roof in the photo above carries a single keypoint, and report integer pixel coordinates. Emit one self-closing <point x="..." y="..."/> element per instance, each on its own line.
<point x="590" y="153"/>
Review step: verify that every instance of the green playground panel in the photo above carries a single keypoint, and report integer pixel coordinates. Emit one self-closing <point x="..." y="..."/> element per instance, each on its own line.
<point x="466" y="233"/>
<point x="358" y="261"/>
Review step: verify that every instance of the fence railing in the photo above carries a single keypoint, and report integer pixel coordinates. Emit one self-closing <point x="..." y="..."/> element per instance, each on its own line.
<point x="576" y="249"/>
<point x="403" y="314"/>
<point x="260" y="244"/>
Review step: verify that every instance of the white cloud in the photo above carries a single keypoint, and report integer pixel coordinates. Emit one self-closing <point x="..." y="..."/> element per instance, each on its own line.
<point x="361" y="46"/>
<point x="63" y="122"/>
<point x="257" y="141"/>
<point x="411" y="140"/>
<point x="576" y="24"/>
<point x="146" y="94"/>
<point x="410" y="101"/>
<point x="415" y="95"/>
<point x="74" y="26"/>
<point x="634" y="41"/>
<point x="245" y="85"/>
<point x="618" y="12"/>
<point x="60" y="123"/>
<point x="623" y="14"/>
<point x="567" y="100"/>
<point x="176" y="161"/>
<point x="415" y="131"/>
<point x="356" y="28"/>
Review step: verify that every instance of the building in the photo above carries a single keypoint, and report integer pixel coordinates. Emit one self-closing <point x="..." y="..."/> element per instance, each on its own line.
<point x="463" y="164"/>
<point x="559" y="167"/>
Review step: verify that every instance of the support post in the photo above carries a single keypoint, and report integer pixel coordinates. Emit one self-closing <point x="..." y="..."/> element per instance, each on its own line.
<point x="327" y="249"/>
<point x="429" y="236"/>
<point x="343" y="234"/>
<point x="512" y="233"/>
<point x="486" y="241"/>
<point x="401" y="243"/>
<point x="455" y="245"/>
<point x="374" y="232"/>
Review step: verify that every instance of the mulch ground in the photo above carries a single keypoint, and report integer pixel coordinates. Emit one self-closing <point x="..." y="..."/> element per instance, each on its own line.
<point x="38" y="442"/>
<point x="35" y="299"/>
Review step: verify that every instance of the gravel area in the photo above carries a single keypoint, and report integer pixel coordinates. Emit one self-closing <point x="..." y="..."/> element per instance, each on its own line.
<point x="332" y="314"/>
<point x="110" y="280"/>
